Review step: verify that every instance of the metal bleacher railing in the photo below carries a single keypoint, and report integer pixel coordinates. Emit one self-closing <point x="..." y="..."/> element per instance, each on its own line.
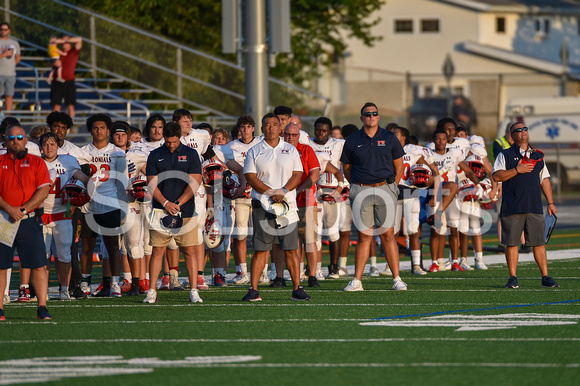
<point x="147" y="62"/>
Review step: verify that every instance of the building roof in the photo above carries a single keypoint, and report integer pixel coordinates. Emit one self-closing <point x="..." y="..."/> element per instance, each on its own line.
<point x="527" y="6"/>
<point x="520" y="60"/>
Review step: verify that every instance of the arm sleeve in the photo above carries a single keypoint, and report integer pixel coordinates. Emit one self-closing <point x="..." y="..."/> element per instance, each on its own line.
<point x="209" y="153"/>
<point x="250" y="164"/>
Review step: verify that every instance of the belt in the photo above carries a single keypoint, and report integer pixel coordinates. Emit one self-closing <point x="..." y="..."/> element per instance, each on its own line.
<point x="389" y="180"/>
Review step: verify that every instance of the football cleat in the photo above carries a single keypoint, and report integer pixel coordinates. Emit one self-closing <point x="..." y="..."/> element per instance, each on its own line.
<point x="164" y="283"/>
<point x="354" y="285"/>
<point x="201" y="284"/>
<point x="151" y="297"/>
<point x="456" y="268"/>
<point x="434" y="268"/>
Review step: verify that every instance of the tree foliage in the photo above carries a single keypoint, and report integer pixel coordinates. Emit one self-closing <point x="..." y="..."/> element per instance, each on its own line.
<point x="319" y="28"/>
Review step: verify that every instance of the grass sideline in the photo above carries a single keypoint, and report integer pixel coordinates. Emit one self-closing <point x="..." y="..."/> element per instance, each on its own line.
<point x="317" y="342"/>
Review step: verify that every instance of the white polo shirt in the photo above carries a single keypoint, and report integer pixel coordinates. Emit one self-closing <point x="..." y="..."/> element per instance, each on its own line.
<point x="273" y="166"/>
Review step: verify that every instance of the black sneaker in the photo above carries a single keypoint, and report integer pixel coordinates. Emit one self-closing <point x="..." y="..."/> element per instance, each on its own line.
<point x="513" y="282"/>
<point x="134" y="290"/>
<point x="299" y="294"/>
<point x="2" y="318"/>
<point x="278" y="282"/>
<point x="103" y="292"/>
<point x="252" y="296"/>
<point x="42" y="313"/>
<point x="313" y="281"/>
<point x="77" y="293"/>
<point x="547" y="281"/>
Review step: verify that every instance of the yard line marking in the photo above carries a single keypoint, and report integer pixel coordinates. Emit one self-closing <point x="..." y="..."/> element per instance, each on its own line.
<point x="478" y="309"/>
<point x="293" y="340"/>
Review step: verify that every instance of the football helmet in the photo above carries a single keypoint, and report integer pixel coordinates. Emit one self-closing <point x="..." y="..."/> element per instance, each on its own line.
<point x="74" y="193"/>
<point x="138" y="190"/>
<point x="211" y="172"/>
<point x="420" y="174"/>
<point x="475" y="163"/>
<point x="467" y="193"/>
<point x="231" y="183"/>
<point x="213" y="234"/>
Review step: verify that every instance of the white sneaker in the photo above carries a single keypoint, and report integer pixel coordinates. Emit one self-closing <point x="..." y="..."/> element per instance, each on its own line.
<point x="417" y="270"/>
<point x="151" y="296"/>
<point x="332" y="275"/>
<point x="465" y="266"/>
<point x="85" y="288"/>
<point x="115" y="290"/>
<point x="64" y="295"/>
<point x="6" y="299"/>
<point x="447" y="266"/>
<point x="319" y="275"/>
<point x="264" y="279"/>
<point x="342" y="271"/>
<point x="399" y="285"/>
<point x="354" y="285"/>
<point x="174" y="283"/>
<point x="386" y="272"/>
<point x="194" y="296"/>
<point x="374" y="272"/>
<point x="242" y="278"/>
<point x="479" y="264"/>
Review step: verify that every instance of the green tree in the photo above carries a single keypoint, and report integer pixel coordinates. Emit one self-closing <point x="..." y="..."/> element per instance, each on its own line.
<point x="318" y="28"/>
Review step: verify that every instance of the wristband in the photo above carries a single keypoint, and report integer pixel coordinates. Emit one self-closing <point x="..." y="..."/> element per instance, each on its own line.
<point x="165" y="203"/>
<point x="284" y="190"/>
<point x="550" y="203"/>
<point x="517" y="171"/>
<point x="341" y="184"/>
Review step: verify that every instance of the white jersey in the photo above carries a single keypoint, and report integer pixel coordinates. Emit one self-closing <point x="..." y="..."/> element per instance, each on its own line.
<point x="304" y="138"/>
<point x="31" y="147"/>
<point x="223" y="153"/>
<point x="333" y="150"/>
<point x="61" y="171"/>
<point x="447" y="163"/>
<point x="108" y="170"/>
<point x="412" y="155"/>
<point x="240" y="149"/>
<point x="136" y="159"/>
<point x="198" y="140"/>
<point x="70" y="148"/>
<point x="147" y="146"/>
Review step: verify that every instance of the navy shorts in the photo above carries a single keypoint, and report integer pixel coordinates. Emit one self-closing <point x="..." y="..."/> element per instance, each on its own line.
<point x="30" y="245"/>
<point x="110" y="220"/>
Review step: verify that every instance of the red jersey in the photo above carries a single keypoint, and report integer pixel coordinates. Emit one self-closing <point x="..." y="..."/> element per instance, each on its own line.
<point x="21" y="178"/>
<point x="309" y="162"/>
<point x="69" y="64"/>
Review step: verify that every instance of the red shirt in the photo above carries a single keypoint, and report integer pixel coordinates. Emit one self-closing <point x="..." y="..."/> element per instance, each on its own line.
<point x="21" y="177"/>
<point x="309" y="162"/>
<point x="69" y="64"/>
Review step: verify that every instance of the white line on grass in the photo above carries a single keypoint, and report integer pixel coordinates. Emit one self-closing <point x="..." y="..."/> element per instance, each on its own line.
<point x="281" y="340"/>
<point x="386" y="365"/>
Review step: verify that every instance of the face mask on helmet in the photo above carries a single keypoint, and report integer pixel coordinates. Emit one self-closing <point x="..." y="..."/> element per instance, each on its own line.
<point x="420" y="175"/>
<point x="74" y="193"/>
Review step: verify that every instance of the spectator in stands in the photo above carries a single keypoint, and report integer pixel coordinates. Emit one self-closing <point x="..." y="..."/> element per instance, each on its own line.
<point x="9" y="58"/>
<point x="67" y="89"/>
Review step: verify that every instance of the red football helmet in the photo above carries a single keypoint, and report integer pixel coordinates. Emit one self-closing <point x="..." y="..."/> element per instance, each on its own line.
<point x="211" y="172"/>
<point x="420" y="174"/>
<point x="486" y="185"/>
<point x="231" y="183"/>
<point x="326" y="197"/>
<point x="213" y="234"/>
<point x="467" y="193"/>
<point x="74" y="193"/>
<point x="138" y="191"/>
<point x="475" y="163"/>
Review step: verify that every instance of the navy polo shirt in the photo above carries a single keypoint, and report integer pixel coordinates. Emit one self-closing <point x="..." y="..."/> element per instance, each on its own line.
<point x="184" y="159"/>
<point x="371" y="159"/>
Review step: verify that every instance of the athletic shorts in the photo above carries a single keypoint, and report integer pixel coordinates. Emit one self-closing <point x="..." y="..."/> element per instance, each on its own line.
<point x="7" y="85"/>
<point x="532" y="224"/>
<point x="373" y="206"/>
<point x="29" y="243"/>
<point x="58" y="238"/>
<point x="109" y="220"/>
<point x="308" y="224"/>
<point x="66" y="90"/>
<point x="266" y="234"/>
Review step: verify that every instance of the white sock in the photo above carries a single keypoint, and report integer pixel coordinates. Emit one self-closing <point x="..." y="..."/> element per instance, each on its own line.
<point x="441" y="262"/>
<point x="479" y="255"/>
<point x="127" y="276"/>
<point x="342" y="262"/>
<point x="8" y="275"/>
<point x="114" y="279"/>
<point x="244" y="267"/>
<point x="407" y="241"/>
<point x="24" y="286"/>
<point x="319" y="266"/>
<point x="455" y="261"/>
<point x="238" y="269"/>
<point x="435" y="262"/>
<point x="302" y="267"/>
<point x="213" y="271"/>
<point x="265" y="271"/>
<point x="273" y="267"/>
<point x="373" y="261"/>
<point x="222" y="271"/>
<point x="147" y="276"/>
<point x="416" y="257"/>
<point x="396" y="278"/>
<point x="64" y="288"/>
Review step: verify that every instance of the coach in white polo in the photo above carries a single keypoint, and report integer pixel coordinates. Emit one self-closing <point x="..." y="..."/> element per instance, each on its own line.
<point x="274" y="170"/>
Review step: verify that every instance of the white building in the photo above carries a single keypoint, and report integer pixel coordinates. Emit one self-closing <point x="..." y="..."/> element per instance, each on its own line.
<point x="499" y="48"/>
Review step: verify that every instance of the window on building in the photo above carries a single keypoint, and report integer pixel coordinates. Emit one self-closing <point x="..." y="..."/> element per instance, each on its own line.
<point x="404" y="26"/>
<point x="500" y="24"/>
<point x="430" y="25"/>
<point x="542" y="26"/>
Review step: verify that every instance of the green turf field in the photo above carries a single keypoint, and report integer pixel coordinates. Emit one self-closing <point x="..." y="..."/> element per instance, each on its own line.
<point x="448" y="328"/>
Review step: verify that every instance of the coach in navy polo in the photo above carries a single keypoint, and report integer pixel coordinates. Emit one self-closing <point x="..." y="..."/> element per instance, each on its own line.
<point x="524" y="177"/>
<point x="174" y="174"/>
<point x="372" y="162"/>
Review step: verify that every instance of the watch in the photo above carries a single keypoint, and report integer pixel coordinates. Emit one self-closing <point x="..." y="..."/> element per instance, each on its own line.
<point x="284" y="190"/>
<point x="177" y="203"/>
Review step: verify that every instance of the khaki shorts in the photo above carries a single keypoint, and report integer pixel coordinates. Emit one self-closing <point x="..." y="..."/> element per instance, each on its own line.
<point x="188" y="239"/>
<point x="308" y="224"/>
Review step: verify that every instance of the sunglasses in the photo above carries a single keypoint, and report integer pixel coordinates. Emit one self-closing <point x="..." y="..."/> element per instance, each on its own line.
<point x="13" y="137"/>
<point x="371" y="114"/>
<point x="520" y="129"/>
<point x="291" y="135"/>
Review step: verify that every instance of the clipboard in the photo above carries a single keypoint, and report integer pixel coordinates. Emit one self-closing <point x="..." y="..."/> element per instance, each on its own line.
<point x="550" y="225"/>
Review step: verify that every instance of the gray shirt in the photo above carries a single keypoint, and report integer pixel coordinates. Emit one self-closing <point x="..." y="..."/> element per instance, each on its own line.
<point x="8" y="64"/>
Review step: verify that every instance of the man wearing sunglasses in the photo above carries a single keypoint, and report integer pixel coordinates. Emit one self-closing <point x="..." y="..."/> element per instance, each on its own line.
<point x="9" y="58"/>
<point x="525" y="177"/>
<point x="372" y="161"/>
<point x="25" y="183"/>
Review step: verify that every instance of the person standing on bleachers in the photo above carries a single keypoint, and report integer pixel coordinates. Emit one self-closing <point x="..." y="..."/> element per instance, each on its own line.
<point x="9" y="58"/>
<point x="67" y="90"/>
